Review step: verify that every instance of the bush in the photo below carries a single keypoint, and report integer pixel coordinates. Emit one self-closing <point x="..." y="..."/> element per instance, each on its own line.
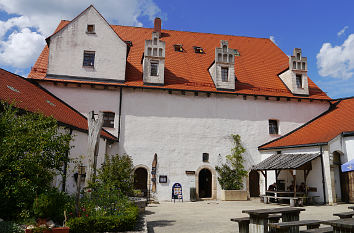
<point x="125" y="221"/>
<point x="10" y="227"/>
<point x="116" y="172"/>
<point x="50" y="205"/>
<point x="32" y="150"/>
<point x="232" y="173"/>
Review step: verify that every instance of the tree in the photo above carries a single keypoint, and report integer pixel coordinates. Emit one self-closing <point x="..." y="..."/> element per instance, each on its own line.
<point x="232" y="173"/>
<point x="32" y="151"/>
<point x="117" y="173"/>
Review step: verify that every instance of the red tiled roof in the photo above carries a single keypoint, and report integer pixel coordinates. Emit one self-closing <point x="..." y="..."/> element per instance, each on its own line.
<point x="321" y="129"/>
<point x="256" y="68"/>
<point x="28" y="96"/>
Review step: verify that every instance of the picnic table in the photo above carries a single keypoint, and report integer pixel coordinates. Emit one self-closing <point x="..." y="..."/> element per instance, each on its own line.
<point x="259" y="218"/>
<point x="341" y="225"/>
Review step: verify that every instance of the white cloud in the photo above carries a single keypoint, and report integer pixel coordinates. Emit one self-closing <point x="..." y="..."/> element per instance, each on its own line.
<point x="337" y="61"/>
<point x="341" y="32"/>
<point x="21" y="48"/>
<point x="37" y="19"/>
<point x="272" y="38"/>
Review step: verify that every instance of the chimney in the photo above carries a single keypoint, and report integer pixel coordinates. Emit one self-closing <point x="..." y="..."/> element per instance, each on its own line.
<point x="157" y="26"/>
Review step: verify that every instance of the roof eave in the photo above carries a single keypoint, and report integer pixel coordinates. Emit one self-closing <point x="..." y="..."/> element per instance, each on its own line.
<point x="294" y="146"/>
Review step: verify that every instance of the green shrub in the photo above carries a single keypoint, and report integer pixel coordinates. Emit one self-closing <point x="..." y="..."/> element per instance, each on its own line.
<point x="32" y="150"/>
<point x="10" y="227"/>
<point x="125" y="221"/>
<point x="50" y="205"/>
<point x="232" y="173"/>
<point x="116" y="172"/>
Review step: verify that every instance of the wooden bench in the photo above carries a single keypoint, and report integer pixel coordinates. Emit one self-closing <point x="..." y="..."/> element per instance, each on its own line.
<point x="294" y="201"/>
<point x="319" y="230"/>
<point x="243" y="223"/>
<point x="345" y="214"/>
<point x="294" y="226"/>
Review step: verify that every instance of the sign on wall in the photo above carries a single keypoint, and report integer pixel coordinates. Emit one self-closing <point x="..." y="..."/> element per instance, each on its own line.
<point x="177" y="192"/>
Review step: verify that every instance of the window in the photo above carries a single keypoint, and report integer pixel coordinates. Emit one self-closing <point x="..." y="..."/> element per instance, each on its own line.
<point x="294" y="65"/>
<point x="198" y="49"/>
<point x="273" y="127"/>
<point x="224" y="48"/>
<point x="224" y="74"/>
<point x="303" y="66"/>
<point x="298" y="57"/>
<point x="108" y="119"/>
<point x="90" y="28"/>
<point x="89" y="58"/>
<point x="299" y="80"/>
<point x="205" y="157"/>
<point x="154" y="68"/>
<point x="178" y="47"/>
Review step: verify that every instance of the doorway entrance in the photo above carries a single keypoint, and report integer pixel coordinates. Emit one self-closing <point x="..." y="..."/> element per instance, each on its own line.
<point x="140" y="180"/>
<point x="205" y="181"/>
<point x="254" y="183"/>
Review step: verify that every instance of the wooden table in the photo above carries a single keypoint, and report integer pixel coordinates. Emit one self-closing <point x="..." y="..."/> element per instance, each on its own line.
<point x="341" y="225"/>
<point x="259" y="221"/>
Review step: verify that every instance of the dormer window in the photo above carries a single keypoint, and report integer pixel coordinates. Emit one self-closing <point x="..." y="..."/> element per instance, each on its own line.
<point x="224" y="74"/>
<point x="299" y="80"/>
<point x="154" y="67"/>
<point x="89" y="59"/>
<point x="178" y="47"/>
<point x="198" y="49"/>
<point x="90" y="28"/>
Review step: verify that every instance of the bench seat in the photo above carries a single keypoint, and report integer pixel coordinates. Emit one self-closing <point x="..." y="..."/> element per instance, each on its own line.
<point x="345" y="214"/>
<point x="285" y="226"/>
<point x="319" y="230"/>
<point x="243" y="222"/>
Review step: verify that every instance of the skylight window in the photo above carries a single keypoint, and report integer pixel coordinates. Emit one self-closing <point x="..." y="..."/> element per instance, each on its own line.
<point x="236" y="52"/>
<point x="178" y="47"/>
<point x="13" y="89"/>
<point x="198" y="49"/>
<point x="129" y="43"/>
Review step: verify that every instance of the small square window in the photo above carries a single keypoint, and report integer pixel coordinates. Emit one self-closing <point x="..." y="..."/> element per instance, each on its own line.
<point x="299" y="80"/>
<point x="108" y="119"/>
<point x="273" y="127"/>
<point x="90" y="28"/>
<point x="163" y="179"/>
<point x="154" y="68"/>
<point x="224" y="74"/>
<point x="89" y="58"/>
<point x="205" y="157"/>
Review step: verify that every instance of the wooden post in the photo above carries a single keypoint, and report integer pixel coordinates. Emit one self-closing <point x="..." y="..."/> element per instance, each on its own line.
<point x="94" y="130"/>
<point x="153" y="175"/>
<point x="294" y="175"/>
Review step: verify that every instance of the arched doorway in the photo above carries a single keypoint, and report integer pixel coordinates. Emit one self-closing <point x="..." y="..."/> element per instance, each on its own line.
<point x="205" y="181"/>
<point x="254" y="183"/>
<point x="140" y="180"/>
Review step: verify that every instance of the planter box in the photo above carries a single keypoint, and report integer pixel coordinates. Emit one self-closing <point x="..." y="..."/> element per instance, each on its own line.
<point x="54" y="230"/>
<point x="234" y="195"/>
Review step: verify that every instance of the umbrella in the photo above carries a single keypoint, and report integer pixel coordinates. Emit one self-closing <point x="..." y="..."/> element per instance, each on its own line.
<point x="348" y="166"/>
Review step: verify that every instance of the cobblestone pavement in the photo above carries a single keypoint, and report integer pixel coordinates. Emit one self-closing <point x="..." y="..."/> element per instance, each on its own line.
<point x="214" y="216"/>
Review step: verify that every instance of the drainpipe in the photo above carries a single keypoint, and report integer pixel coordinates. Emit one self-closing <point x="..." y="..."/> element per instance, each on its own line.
<point x="66" y="166"/>
<point x="120" y="111"/>
<point x="323" y="177"/>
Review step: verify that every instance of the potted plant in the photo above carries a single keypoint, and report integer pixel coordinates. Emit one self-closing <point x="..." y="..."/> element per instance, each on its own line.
<point x="49" y="208"/>
<point x="232" y="173"/>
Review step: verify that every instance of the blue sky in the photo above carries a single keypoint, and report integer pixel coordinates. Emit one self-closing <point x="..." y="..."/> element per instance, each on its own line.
<point x="323" y="29"/>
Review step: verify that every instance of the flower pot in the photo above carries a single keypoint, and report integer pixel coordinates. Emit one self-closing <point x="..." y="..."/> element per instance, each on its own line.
<point x="234" y="195"/>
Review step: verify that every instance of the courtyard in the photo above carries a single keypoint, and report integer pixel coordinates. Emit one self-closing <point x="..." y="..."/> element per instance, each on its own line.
<point x="214" y="216"/>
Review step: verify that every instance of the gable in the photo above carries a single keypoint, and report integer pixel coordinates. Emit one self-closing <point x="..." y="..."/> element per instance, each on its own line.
<point x="69" y="44"/>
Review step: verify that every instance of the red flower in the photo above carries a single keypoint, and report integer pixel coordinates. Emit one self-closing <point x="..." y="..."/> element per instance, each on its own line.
<point x="86" y="215"/>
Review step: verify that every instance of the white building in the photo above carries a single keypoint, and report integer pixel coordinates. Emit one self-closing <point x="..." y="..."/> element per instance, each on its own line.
<point x="331" y="137"/>
<point x="179" y="95"/>
<point x="33" y="98"/>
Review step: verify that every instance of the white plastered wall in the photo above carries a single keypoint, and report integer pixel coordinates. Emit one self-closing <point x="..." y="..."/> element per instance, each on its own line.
<point x="67" y="48"/>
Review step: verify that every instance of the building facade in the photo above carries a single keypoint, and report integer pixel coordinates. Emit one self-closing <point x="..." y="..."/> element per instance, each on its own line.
<point x="178" y="95"/>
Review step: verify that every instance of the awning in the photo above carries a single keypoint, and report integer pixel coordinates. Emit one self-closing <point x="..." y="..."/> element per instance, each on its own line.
<point x="348" y="166"/>
<point x="285" y="161"/>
